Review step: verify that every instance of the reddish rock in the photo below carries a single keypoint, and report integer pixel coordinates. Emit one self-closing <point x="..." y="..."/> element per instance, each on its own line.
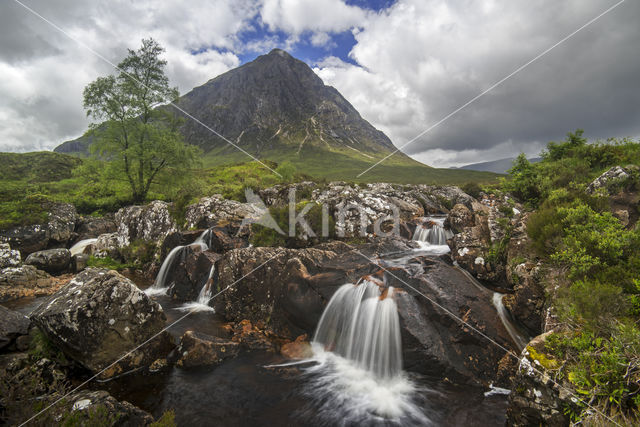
<point x="198" y="349"/>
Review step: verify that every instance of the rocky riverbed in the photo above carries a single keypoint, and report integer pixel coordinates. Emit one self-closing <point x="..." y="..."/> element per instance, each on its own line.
<point x="218" y="365"/>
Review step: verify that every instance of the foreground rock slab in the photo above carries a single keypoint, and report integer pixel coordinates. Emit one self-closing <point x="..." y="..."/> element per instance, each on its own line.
<point x="98" y="317"/>
<point x="90" y="407"/>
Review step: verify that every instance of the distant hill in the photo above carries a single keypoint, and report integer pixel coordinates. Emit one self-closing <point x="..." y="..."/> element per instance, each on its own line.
<point x="278" y="109"/>
<point x="495" y="166"/>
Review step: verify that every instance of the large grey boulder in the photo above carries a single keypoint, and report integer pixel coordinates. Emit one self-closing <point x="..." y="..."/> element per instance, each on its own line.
<point x="50" y="260"/>
<point x="9" y="257"/>
<point x="90" y="227"/>
<point x="611" y="176"/>
<point x="101" y="315"/>
<point x="151" y="223"/>
<point x="56" y="232"/>
<point x="12" y="325"/>
<point x="214" y="211"/>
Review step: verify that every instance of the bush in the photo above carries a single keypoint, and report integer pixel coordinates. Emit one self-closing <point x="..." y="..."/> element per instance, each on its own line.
<point x="472" y="188"/>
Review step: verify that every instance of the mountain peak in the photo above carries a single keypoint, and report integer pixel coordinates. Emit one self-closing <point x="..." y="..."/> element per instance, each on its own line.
<point x="280" y="52"/>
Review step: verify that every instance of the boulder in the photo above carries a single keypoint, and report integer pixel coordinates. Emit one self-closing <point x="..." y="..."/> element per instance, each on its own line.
<point x="56" y="232"/>
<point x="83" y="407"/>
<point x="79" y="262"/>
<point x="433" y="342"/>
<point x="107" y="245"/>
<point x="27" y="281"/>
<point x="218" y="211"/>
<point x="12" y="325"/>
<point x="278" y="195"/>
<point x="9" y="257"/>
<point x="50" y="260"/>
<point x="151" y="222"/>
<point x="198" y="349"/>
<point x="536" y="398"/>
<point x="101" y="315"/>
<point x="459" y="218"/>
<point x="90" y="227"/>
<point x="189" y="273"/>
<point x="611" y="176"/>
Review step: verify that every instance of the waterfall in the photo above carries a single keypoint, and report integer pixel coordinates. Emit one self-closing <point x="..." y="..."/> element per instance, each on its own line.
<point x="358" y="377"/>
<point x="518" y="339"/>
<point x="360" y="325"/>
<point x="202" y="302"/>
<point x="432" y="231"/>
<point x="159" y="285"/>
<point x="79" y="247"/>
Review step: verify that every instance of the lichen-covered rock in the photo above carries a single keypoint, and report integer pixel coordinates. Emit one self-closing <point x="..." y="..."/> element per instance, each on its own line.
<point x="26" y="281"/>
<point x="278" y="195"/>
<point x="218" y="211"/>
<point x="459" y="218"/>
<point x="98" y="317"/>
<point x="106" y="245"/>
<point x="90" y="227"/>
<point x="524" y="275"/>
<point x="611" y="176"/>
<point x="198" y="349"/>
<point x="56" y="232"/>
<point x="479" y="246"/>
<point x="50" y="260"/>
<point x="9" y="257"/>
<point x="536" y="399"/>
<point x="151" y="222"/>
<point x="88" y="407"/>
<point x="12" y="325"/>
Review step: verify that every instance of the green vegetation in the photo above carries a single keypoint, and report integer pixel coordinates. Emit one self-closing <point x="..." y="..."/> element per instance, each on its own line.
<point x="598" y="292"/>
<point x="141" y="141"/>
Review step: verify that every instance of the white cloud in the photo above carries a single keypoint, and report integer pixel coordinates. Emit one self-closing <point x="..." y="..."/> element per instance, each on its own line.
<point x="298" y="16"/>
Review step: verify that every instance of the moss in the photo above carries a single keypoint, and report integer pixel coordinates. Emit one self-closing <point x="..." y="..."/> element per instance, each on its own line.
<point x="168" y="419"/>
<point x="107" y="262"/>
<point x="544" y="360"/>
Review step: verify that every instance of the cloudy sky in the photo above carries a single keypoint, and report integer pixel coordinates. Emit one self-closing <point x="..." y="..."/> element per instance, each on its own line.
<point x="404" y="64"/>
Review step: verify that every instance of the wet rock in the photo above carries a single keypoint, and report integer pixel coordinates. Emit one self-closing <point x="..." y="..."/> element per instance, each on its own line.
<point x="56" y="232"/>
<point x="189" y="273"/>
<point x="536" y="399"/>
<point x="284" y="288"/>
<point x="151" y="223"/>
<point x="253" y="337"/>
<point x="9" y="257"/>
<point x="90" y="407"/>
<point x="298" y="349"/>
<point x="98" y="317"/>
<point x="217" y="211"/>
<point x="12" y="326"/>
<point x="90" y="227"/>
<point x="611" y="176"/>
<point x="433" y="342"/>
<point x="198" y="349"/>
<point x="178" y="238"/>
<point x="26" y="281"/>
<point x="50" y="260"/>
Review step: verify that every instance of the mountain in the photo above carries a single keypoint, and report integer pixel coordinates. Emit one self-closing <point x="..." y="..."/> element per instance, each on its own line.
<point x="495" y="166"/>
<point x="277" y="108"/>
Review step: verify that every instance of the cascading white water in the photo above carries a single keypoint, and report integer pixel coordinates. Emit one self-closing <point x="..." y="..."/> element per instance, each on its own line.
<point x="159" y="285"/>
<point x="433" y="232"/>
<point x="202" y="302"/>
<point x="79" y="247"/>
<point x="361" y="327"/>
<point x="517" y="338"/>
<point x="358" y="376"/>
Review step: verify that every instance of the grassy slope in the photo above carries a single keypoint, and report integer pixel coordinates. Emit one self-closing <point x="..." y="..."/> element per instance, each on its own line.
<point x="346" y="164"/>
